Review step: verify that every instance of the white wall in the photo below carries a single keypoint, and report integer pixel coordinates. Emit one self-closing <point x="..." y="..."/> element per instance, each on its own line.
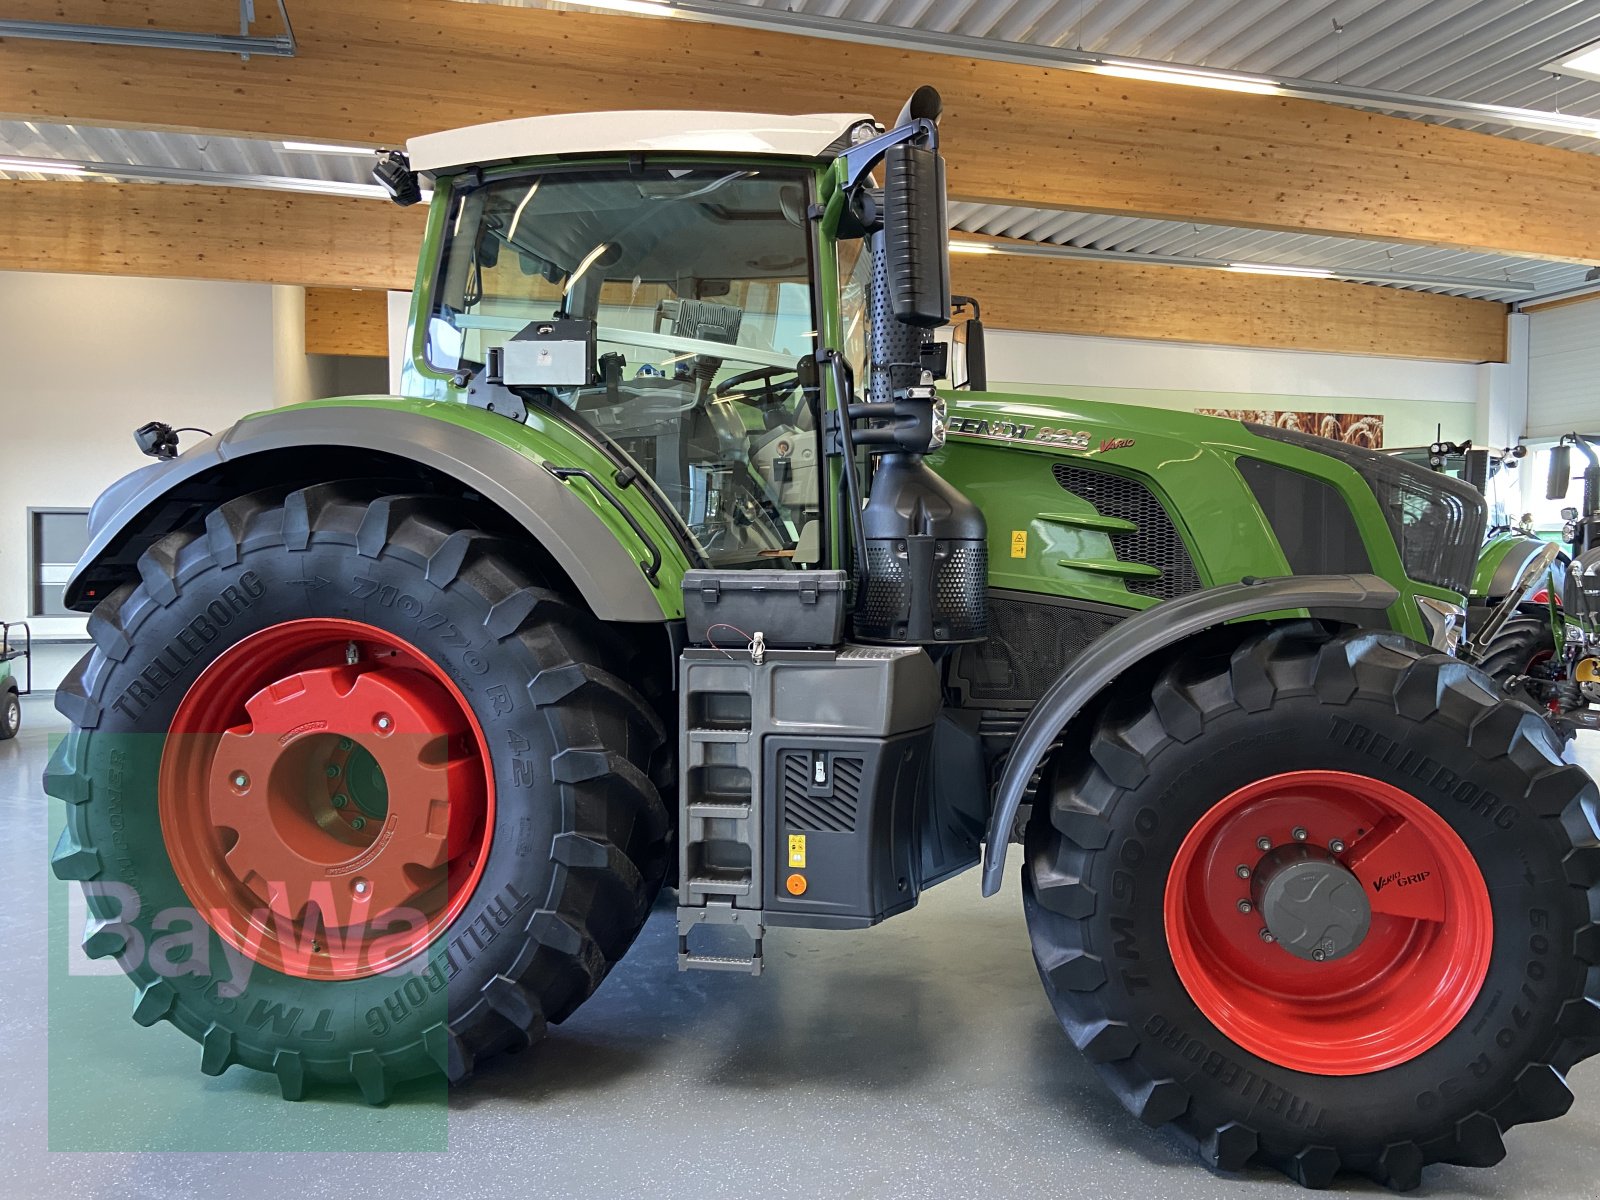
<point x="1414" y="397"/>
<point x="1564" y="370"/>
<point x="85" y="359"/>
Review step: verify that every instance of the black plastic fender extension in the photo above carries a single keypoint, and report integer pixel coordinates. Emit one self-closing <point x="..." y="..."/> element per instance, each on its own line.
<point x="1136" y="638"/>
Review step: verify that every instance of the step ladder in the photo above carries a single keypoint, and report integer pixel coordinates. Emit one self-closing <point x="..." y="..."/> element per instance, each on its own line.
<point x="719" y="795"/>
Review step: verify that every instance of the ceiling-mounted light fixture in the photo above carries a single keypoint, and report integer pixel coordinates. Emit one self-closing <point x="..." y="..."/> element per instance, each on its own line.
<point x="637" y="8"/>
<point x="1230" y="81"/>
<point x="324" y="148"/>
<point x="40" y="166"/>
<point x="974" y="248"/>
<point x="1584" y="63"/>
<point x="1275" y="269"/>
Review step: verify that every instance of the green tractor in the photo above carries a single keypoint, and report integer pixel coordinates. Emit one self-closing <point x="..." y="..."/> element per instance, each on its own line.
<point x="671" y="567"/>
<point x="1547" y="651"/>
<point x="1514" y="597"/>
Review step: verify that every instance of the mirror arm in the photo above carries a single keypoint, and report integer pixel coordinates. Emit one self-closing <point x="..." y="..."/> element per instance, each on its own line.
<point x="859" y="160"/>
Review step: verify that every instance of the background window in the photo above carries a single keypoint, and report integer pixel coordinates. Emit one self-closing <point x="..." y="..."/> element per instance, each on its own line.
<point x="56" y="539"/>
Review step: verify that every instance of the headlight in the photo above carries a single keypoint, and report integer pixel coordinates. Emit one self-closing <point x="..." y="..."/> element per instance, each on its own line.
<point x="1446" y="622"/>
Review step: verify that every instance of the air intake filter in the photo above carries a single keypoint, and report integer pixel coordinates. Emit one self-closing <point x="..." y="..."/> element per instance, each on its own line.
<point x="927" y="559"/>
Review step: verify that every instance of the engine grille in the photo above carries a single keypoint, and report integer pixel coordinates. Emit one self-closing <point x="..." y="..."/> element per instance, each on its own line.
<point x="1028" y="647"/>
<point x="1155" y="542"/>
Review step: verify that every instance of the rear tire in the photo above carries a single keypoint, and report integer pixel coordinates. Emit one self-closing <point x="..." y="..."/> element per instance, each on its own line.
<point x="579" y="834"/>
<point x="1107" y="839"/>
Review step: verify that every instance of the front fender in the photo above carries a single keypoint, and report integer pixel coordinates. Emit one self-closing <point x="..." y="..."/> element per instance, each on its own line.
<point x="593" y="539"/>
<point x="1501" y="563"/>
<point x="1135" y="639"/>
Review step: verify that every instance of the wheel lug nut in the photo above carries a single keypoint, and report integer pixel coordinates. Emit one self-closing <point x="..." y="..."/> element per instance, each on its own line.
<point x="1263" y="844"/>
<point x="1266" y="935"/>
<point x="1245" y="906"/>
<point x="1300" y="833"/>
<point x="341" y="800"/>
<point x="346" y="744"/>
<point x="1242" y="871"/>
<point x="331" y="770"/>
<point x="1318" y="955"/>
<point x="358" y="822"/>
<point x="1337" y="846"/>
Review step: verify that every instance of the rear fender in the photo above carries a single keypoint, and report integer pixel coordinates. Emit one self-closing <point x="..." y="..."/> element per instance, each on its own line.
<point x="621" y="556"/>
<point x="1136" y="639"/>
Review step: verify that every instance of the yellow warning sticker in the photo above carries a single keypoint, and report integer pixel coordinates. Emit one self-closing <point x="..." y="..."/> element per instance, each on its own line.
<point x="1019" y="543"/>
<point x="797" y="849"/>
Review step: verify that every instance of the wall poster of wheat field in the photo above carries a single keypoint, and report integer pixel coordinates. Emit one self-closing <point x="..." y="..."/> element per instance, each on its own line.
<point x="1356" y="429"/>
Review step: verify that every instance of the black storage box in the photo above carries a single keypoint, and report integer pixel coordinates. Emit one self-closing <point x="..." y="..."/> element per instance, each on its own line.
<point x="790" y="609"/>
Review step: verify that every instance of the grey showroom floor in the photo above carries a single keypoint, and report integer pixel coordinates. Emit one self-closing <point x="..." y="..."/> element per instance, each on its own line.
<point x="917" y="1059"/>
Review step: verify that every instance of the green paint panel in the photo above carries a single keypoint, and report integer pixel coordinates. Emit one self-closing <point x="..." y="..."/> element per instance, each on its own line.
<point x="1001" y="450"/>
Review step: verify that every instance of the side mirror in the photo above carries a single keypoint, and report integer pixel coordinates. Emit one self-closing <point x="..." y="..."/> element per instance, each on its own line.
<point x="1560" y="477"/>
<point x="977" y="360"/>
<point x="916" y="232"/>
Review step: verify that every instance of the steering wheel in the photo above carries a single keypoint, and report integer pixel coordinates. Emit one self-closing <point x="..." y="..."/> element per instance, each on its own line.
<point x="768" y="391"/>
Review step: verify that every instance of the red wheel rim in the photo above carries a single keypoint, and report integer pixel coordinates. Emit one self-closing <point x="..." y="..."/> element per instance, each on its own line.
<point x="326" y="799"/>
<point x="1407" y="984"/>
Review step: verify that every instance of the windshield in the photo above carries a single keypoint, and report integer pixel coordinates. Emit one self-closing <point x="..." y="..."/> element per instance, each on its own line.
<point x="699" y="282"/>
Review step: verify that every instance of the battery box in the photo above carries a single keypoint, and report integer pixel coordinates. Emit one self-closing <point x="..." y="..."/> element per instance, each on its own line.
<point x="800" y="776"/>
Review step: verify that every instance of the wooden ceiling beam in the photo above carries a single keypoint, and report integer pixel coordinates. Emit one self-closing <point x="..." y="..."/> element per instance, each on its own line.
<point x="194" y="232"/>
<point x="329" y="242"/>
<point x="1192" y="304"/>
<point x="379" y="71"/>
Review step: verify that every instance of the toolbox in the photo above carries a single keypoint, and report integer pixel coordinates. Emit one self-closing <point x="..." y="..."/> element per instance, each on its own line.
<point x="789" y="609"/>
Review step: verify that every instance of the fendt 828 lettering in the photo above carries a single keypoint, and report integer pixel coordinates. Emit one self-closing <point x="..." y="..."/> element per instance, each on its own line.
<point x="672" y="567"/>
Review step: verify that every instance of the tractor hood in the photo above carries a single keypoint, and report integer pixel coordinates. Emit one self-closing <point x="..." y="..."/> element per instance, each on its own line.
<point x="1131" y="505"/>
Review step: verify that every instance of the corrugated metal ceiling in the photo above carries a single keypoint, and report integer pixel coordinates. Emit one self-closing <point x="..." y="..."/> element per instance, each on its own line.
<point x="1483" y="50"/>
<point x="1489" y="51"/>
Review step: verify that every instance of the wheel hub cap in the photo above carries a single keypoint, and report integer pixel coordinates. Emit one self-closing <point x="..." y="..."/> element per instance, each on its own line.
<point x="1313" y="907"/>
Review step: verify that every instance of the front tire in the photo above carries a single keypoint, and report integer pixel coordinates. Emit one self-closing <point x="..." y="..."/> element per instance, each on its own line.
<point x="10" y="715"/>
<point x="1523" y="643"/>
<point x="532" y="862"/>
<point x="1479" y="978"/>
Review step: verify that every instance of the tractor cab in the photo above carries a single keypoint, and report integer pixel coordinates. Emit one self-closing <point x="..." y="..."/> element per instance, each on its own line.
<point x="693" y="301"/>
<point x="672" y="305"/>
<point x="692" y="289"/>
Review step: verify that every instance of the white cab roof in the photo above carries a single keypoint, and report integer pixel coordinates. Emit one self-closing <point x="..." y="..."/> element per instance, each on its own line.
<point x="641" y="131"/>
